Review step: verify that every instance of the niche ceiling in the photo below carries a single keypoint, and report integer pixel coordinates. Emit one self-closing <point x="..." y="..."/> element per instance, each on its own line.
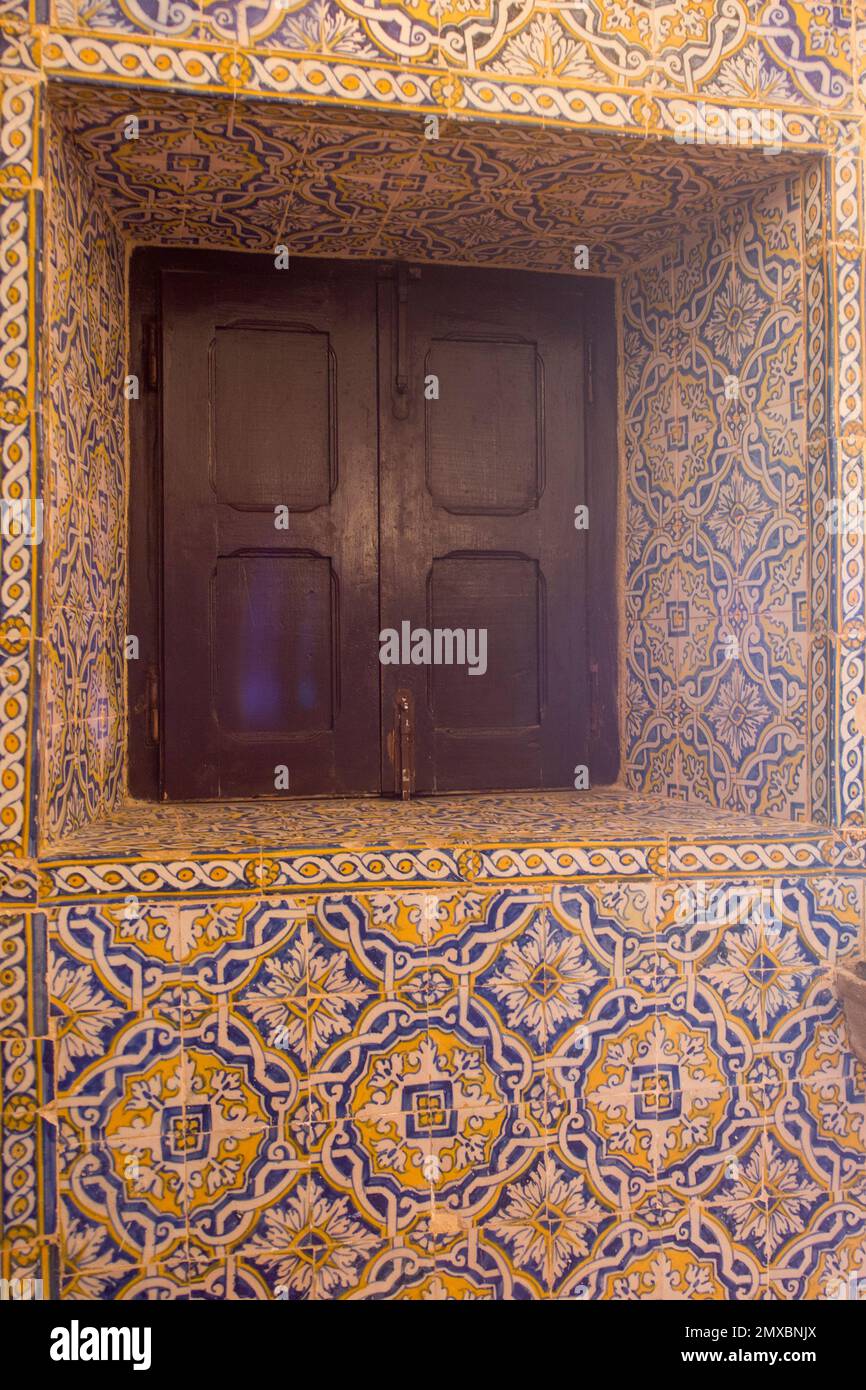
<point x="327" y="181"/>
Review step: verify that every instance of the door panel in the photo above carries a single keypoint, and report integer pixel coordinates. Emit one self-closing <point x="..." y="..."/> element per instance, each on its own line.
<point x="296" y="406"/>
<point x="501" y="594"/>
<point x="270" y="634"/>
<point x="478" y="486"/>
<point x="272" y="653"/>
<point x="489" y="393"/>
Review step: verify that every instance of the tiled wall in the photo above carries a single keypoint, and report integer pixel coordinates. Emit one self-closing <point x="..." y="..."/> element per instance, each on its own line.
<point x="636" y="69"/>
<point x="704" y="1136"/>
<point x="267" y="1097"/>
<point x="721" y="706"/>
<point x="82" y="670"/>
<point x="796" y="53"/>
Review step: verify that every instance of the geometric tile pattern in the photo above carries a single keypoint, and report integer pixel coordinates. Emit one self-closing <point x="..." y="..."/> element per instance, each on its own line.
<point x="221" y="173"/>
<point x="233" y="872"/>
<point x="20" y="216"/>
<point x="600" y="1091"/>
<point x="798" y="53"/>
<point x="147" y="849"/>
<point x="720" y="623"/>
<point x="82" y="675"/>
<point x="600" y="815"/>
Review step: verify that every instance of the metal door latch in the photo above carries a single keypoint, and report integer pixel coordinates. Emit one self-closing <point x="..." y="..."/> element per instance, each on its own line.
<point x="403" y="745"/>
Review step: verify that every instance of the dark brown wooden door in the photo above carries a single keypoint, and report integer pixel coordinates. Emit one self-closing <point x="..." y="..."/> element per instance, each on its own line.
<point x="270" y="632"/>
<point x="481" y="468"/>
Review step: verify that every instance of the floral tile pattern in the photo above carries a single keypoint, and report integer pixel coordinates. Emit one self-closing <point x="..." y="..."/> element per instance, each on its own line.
<point x="283" y="1117"/>
<point x="81" y="697"/>
<point x="213" y="173"/>
<point x="795" y="53"/>
<point x="719" y="704"/>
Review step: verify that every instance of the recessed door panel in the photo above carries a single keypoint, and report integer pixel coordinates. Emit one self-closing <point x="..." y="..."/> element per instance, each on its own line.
<point x="272" y="427"/>
<point x="273" y="660"/>
<point x="475" y="685"/>
<point x="488" y="392"/>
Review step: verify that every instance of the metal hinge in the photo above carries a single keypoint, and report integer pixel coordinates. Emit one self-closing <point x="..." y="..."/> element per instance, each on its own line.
<point x="400" y="391"/>
<point x="148" y="705"/>
<point x="594" y="702"/>
<point x="151" y="354"/>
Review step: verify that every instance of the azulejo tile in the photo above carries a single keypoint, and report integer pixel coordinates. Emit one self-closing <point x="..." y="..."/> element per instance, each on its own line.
<point x="659" y="1208"/>
<point x="700" y="1262"/>
<point x="561" y="1165"/>
<point x="810" y="1035"/>
<point x="28" y="1194"/>
<point x="18" y="880"/>
<point x="540" y="982"/>
<point x="164" y="1169"/>
<point x="467" y="1273"/>
<point x="655" y="1100"/>
<point x="312" y="1243"/>
<point x="390" y="931"/>
<point x="805" y="51"/>
<point x="614" y="920"/>
<point x="775" y="1193"/>
<point x="106" y="1055"/>
<point x="827" y="1260"/>
<point x="112" y="957"/>
<point x="715" y="623"/>
<point x="823" y="1123"/>
<point x="82" y="682"/>
<point x="692" y="1260"/>
<point x="92" y="1265"/>
<point x="395" y="1165"/>
<point x="546" y="1223"/>
<point x="23" y="993"/>
<point x="771" y="924"/>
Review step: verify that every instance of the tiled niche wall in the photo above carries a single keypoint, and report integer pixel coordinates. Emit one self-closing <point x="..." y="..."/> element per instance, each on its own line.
<point x="725" y="438"/>
<point x="81" y="669"/>
<point x="716" y="526"/>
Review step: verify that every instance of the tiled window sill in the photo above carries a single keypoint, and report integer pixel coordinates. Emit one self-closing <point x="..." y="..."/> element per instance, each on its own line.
<point x="607" y="815"/>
